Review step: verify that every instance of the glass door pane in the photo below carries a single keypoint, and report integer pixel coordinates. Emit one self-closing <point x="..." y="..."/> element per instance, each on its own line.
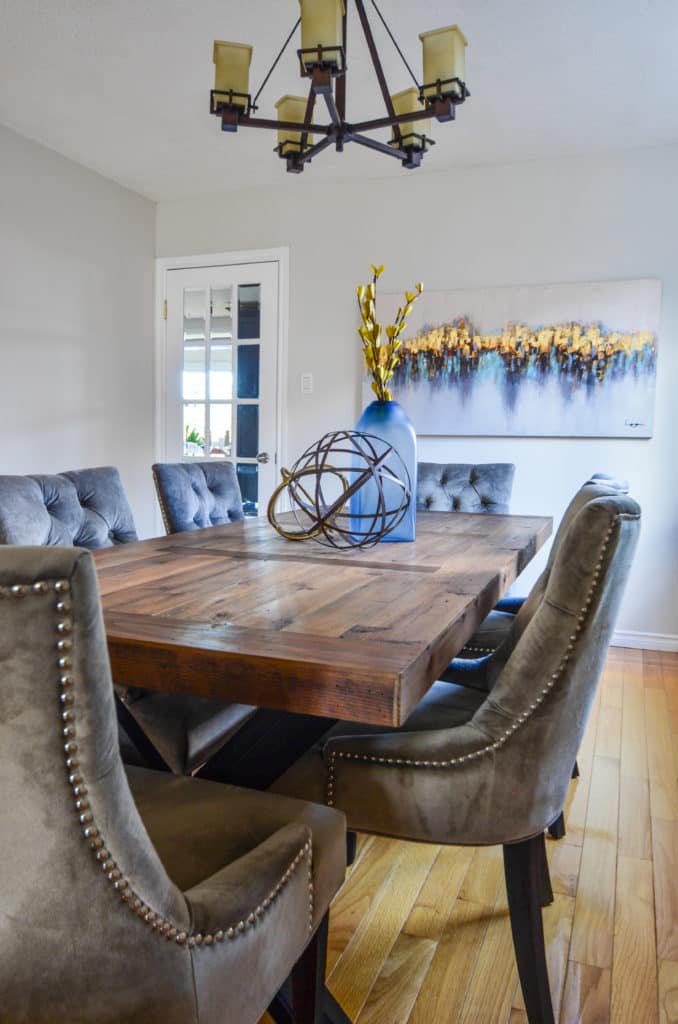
<point x="193" y="385"/>
<point x="221" y="381"/>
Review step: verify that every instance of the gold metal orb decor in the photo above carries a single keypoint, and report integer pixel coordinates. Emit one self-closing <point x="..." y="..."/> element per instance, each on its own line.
<point x="348" y="490"/>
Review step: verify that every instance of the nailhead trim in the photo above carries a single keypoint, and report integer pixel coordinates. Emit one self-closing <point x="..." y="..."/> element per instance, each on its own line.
<point x="161" y="502"/>
<point x="90" y="831"/>
<point x="520" y="719"/>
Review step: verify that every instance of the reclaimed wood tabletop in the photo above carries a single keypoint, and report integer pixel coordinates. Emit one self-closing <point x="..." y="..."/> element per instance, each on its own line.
<point x="238" y="613"/>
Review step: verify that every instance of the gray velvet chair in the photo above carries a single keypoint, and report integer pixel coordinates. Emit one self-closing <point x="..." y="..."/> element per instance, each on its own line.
<point x="485" y="769"/>
<point x="89" y="508"/>
<point x="129" y="897"/>
<point x="462" y="487"/>
<point x="496" y="629"/>
<point x="193" y="495"/>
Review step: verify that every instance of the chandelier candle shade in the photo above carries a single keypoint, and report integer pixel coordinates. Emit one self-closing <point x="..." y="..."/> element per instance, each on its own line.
<point x="322" y="59"/>
<point x="292" y="108"/>
<point x="322" y="34"/>
<point x="232" y="74"/>
<point x="412" y="133"/>
<point x="444" y="60"/>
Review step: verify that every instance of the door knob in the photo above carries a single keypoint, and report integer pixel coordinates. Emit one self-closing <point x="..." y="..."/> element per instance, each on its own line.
<point x="263" y="457"/>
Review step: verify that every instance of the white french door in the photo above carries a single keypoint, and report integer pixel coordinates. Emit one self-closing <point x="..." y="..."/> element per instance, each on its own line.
<point x="221" y="371"/>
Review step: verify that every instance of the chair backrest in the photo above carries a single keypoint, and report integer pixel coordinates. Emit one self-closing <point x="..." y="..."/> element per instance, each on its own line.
<point x="194" y="495"/>
<point x="600" y="485"/>
<point x="462" y="487"/>
<point x="536" y="713"/>
<point x="81" y="887"/>
<point x="86" y="508"/>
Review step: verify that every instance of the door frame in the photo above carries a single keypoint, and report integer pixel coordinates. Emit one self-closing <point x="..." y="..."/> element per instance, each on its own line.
<point x="279" y="255"/>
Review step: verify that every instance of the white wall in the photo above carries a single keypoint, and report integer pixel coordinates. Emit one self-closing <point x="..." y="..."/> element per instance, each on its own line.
<point x="76" y="321"/>
<point x="579" y="219"/>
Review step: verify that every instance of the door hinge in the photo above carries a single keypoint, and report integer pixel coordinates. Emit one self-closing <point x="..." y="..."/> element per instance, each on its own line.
<point x="164" y="309"/>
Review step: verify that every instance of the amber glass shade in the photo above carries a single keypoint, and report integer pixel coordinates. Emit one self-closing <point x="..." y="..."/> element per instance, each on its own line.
<point x="292" y="108"/>
<point x="444" y="58"/>
<point x="407" y="102"/>
<point x="232" y="69"/>
<point x="321" y="24"/>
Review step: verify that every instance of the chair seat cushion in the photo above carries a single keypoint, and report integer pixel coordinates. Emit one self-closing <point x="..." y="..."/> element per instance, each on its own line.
<point x="443" y="707"/>
<point x="490" y="635"/>
<point x="185" y="731"/>
<point x="197" y="827"/>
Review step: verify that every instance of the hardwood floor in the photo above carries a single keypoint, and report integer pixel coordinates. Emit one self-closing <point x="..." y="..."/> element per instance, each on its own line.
<point x="421" y="935"/>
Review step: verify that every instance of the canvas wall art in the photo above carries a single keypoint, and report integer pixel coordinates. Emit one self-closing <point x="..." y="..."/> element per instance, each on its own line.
<point x="567" y="360"/>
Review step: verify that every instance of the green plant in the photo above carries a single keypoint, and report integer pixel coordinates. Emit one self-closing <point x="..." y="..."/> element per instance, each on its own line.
<point x="193" y="436"/>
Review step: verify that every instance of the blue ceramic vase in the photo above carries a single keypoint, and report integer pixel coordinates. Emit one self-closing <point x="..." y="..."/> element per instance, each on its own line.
<point x="387" y="421"/>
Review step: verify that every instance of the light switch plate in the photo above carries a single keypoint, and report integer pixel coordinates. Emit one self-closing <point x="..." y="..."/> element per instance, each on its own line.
<point x="307" y="383"/>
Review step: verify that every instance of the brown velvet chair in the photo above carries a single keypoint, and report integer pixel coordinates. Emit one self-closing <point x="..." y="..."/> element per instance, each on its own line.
<point x="134" y="897"/>
<point x="475" y="768"/>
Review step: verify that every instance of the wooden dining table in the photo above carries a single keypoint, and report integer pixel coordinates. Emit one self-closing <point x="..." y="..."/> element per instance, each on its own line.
<point x="238" y="613"/>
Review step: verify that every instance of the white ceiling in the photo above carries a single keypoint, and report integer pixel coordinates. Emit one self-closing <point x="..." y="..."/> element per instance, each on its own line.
<point x="122" y="86"/>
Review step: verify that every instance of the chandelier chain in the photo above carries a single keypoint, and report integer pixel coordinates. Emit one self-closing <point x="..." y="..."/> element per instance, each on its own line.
<point x="275" y="63"/>
<point x="395" y="43"/>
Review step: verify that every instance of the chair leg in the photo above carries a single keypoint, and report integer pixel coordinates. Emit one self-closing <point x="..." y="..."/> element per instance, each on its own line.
<point x="308" y="979"/>
<point x="575" y="771"/>
<point x="304" y="998"/>
<point x="557" y="828"/>
<point x="523" y="867"/>
<point x="351" y="842"/>
<point x="545" y="890"/>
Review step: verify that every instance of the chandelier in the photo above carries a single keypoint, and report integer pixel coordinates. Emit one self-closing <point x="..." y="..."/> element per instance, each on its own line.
<point x="322" y="59"/>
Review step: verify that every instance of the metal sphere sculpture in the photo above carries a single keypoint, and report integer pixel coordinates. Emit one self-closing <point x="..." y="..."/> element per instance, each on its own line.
<point x="348" y="490"/>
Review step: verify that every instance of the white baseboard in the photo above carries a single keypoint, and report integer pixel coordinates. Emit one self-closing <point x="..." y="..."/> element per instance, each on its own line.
<point x="646" y="641"/>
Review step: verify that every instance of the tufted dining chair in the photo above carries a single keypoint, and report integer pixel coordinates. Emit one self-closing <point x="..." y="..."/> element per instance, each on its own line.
<point x="497" y="628"/>
<point x="462" y="487"/>
<point x="133" y="896"/>
<point x="193" y="495"/>
<point x="487" y="769"/>
<point x="89" y="508"/>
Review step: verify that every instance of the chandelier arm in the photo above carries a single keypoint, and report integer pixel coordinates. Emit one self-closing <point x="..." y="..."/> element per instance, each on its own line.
<point x="275" y="63"/>
<point x="381" y="147"/>
<point x="290" y="126"/>
<point x="378" y="69"/>
<point x="395" y="43"/>
<point x="387" y="122"/>
<point x="306" y="157"/>
<point x="332" y="110"/>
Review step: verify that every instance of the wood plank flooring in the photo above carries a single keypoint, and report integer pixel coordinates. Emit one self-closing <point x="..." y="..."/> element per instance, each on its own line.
<point x="421" y="935"/>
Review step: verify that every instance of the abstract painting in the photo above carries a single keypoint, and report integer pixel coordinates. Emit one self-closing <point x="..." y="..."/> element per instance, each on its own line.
<point x="567" y="360"/>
